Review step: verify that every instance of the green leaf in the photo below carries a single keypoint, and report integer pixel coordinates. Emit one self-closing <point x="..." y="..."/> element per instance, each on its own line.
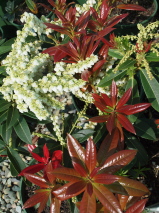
<point x="134" y="97"/>
<point x="12" y="116"/>
<point x="152" y="57"/>
<point x="2" y="41"/>
<point x="3" y="116"/>
<point x="9" y="42"/>
<point x="4" y="49"/>
<point x="133" y="143"/>
<point x="17" y="163"/>
<point x="22" y="130"/>
<point x="83" y="135"/>
<point x="144" y="128"/>
<point x="100" y="132"/>
<point x="107" y="80"/>
<point x="32" y="6"/>
<point x="115" y="53"/>
<point x="4" y="105"/>
<point x="3" y="70"/>
<point x="127" y="64"/>
<point x="6" y="133"/>
<point x="150" y="88"/>
<point x="81" y="2"/>
<point x="30" y="114"/>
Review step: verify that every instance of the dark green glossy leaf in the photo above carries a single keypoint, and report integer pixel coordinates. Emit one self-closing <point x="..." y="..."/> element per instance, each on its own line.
<point x="100" y="131"/>
<point x="30" y="114"/>
<point x="17" y="163"/>
<point x="4" y="105"/>
<point x="144" y="128"/>
<point x="127" y="64"/>
<point x="12" y="116"/>
<point x="115" y="53"/>
<point x="22" y="130"/>
<point x="3" y="116"/>
<point x="152" y="57"/>
<point x="83" y="135"/>
<point x="134" y="97"/>
<point x="133" y="143"/>
<point x="6" y="132"/>
<point x="107" y="80"/>
<point x="81" y="2"/>
<point x="4" y="49"/>
<point x="150" y="87"/>
<point x="3" y="70"/>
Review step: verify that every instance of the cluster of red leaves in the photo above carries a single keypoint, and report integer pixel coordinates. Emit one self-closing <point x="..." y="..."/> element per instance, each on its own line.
<point x="55" y="160"/>
<point x="93" y="174"/>
<point x="115" y="111"/>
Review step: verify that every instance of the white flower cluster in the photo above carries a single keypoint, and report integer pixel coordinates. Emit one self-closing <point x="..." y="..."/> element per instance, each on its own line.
<point x="85" y="7"/>
<point x="79" y="67"/>
<point x="27" y="69"/>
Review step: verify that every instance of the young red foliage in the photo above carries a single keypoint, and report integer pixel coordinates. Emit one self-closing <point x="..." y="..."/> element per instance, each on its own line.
<point x="47" y="185"/>
<point x="56" y="160"/>
<point x="97" y="179"/>
<point x="100" y="19"/>
<point x="128" y="204"/>
<point x="71" y="26"/>
<point x="115" y="110"/>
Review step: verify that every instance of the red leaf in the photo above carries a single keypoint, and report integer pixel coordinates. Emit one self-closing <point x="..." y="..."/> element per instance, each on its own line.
<point x="90" y="155"/>
<point x="88" y="203"/>
<point x="82" y="21"/>
<point x="32" y="169"/>
<point x="114" y="92"/>
<point x="107" y="100"/>
<point x="111" y="123"/>
<point x="31" y="147"/>
<point x="52" y="3"/>
<point x="126" y="123"/>
<point x="79" y="169"/>
<point x="104" y="32"/>
<point x="76" y="188"/>
<point x="48" y="170"/>
<point x="67" y="174"/>
<point x="89" y="189"/>
<point x="105" y="178"/>
<point x="108" y="146"/>
<point x="99" y="119"/>
<point x="131" y="7"/>
<point x="48" y="8"/>
<point x="122" y="200"/>
<point x="76" y="151"/>
<point x="55" y="205"/>
<point x="60" y="193"/>
<point x="37" y="157"/>
<point x="85" y="75"/>
<point x="50" y="50"/>
<point x="107" y="198"/>
<point x="104" y="10"/>
<point x="56" y="159"/>
<point x="100" y="105"/>
<point x="124" y="98"/>
<point x="132" y="109"/>
<point x="133" y="187"/>
<point x="41" y="197"/>
<point x="117" y="161"/>
<point x="37" y="180"/>
<point x="115" y="20"/>
<point x="137" y="207"/>
<point x="46" y="153"/>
